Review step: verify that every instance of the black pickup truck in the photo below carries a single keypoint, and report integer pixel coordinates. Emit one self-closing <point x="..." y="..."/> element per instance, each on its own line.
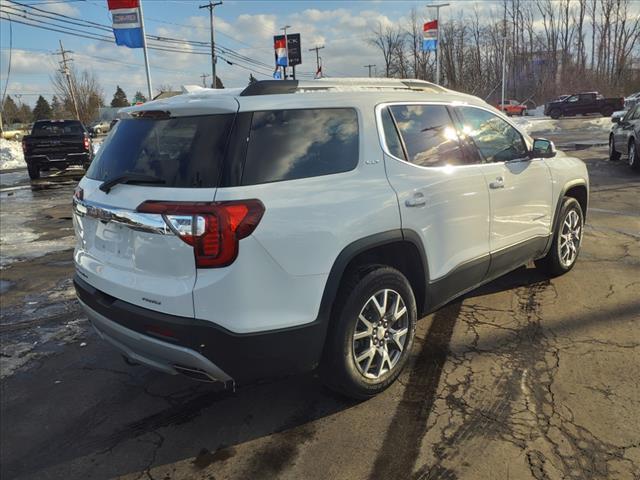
<point x="56" y="144"/>
<point x="583" y="103"/>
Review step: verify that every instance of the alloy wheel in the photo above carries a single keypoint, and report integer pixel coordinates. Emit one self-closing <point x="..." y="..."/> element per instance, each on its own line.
<point x="380" y="334"/>
<point x="570" y="238"/>
<point x="632" y="154"/>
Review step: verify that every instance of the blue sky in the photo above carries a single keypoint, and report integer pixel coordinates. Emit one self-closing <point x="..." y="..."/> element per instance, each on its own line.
<point x="246" y="27"/>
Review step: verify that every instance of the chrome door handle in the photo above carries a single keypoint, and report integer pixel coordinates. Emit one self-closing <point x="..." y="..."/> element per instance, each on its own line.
<point x="498" y="183"/>
<point x="418" y="200"/>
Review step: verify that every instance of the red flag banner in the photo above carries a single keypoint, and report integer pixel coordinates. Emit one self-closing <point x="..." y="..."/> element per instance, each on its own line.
<point x="118" y="4"/>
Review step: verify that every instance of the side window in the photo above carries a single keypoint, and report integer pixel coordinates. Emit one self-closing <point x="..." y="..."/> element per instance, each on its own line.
<point x="292" y="144"/>
<point x="636" y="113"/>
<point x="429" y="135"/>
<point x="496" y="140"/>
<point x="572" y="99"/>
<point x="391" y="136"/>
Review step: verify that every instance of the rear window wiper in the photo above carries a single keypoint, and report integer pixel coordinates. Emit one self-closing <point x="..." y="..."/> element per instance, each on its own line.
<point x="129" y="178"/>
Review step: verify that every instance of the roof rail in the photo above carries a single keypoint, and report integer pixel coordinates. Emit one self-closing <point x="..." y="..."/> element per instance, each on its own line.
<point x="275" y="87"/>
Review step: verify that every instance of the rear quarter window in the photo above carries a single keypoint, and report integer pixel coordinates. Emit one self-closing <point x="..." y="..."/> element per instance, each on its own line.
<point x="294" y="144"/>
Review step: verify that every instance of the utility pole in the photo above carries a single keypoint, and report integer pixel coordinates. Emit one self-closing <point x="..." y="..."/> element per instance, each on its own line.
<point x="286" y="46"/>
<point x="65" y="71"/>
<point x="370" y="66"/>
<point x="204" y="77"/>
<point x="317" y="48"/>
<point x="504" y="60"/>
<point x="211" y="6"/>
<point x="438" y="7"/>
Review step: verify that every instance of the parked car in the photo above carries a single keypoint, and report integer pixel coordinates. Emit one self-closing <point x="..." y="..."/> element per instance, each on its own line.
<point x="631" y="101"/>
<point x="512" y="107"/>
<point x="235" y="237"/>
<point x="583" y="103"/>
<point x="624" y="138"/>
<point x="13" y="132"/>
<point x="98" y="128"/>
<point x="56" y="144"/>
<point x="559" y="98"/>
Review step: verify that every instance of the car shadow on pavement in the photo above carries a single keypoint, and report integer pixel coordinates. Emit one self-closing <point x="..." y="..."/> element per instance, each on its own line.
<point x="95" y="407"/>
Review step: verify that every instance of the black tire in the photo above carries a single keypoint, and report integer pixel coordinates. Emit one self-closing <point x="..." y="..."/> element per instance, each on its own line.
<point x="614" y="155"/>
<point x="555" y="113"/>
<point x="34" y="171"/>
<point x="607" y="111"/>
<point x="634" y="161"/>
<point x="552" y="264"/>
<point x="522" y="112"/>
<point x="339" y="369"/>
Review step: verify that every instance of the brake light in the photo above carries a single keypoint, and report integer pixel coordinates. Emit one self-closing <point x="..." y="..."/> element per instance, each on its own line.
<point x="87" y="143"/>
<point x="213" y="229"/>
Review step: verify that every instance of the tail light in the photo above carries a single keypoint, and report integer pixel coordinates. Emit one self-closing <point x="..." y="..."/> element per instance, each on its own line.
<point x="87" y="143"/>
<point x="213" y="229"/>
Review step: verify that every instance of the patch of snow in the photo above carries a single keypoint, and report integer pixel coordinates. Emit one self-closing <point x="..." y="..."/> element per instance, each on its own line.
<point x="11" y="155"/>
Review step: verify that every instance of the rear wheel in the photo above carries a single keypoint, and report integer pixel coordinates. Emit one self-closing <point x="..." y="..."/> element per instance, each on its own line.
<point x="34" y="171"/>
<point x="373" y="334"/>
<point x="607" y="111"/>
<point x="634" y="161"/>
<point x="555" y="113"/>
<point x="614" y="155"/>
<point x="567" y="240"/>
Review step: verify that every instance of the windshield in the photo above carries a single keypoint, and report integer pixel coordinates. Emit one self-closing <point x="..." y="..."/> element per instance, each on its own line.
<point x="182" y="151"/>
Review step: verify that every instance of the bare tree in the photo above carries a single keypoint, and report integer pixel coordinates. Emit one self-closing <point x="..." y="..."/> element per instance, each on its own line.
<point x="388" y="39"/>
<point x="86" y="88"/>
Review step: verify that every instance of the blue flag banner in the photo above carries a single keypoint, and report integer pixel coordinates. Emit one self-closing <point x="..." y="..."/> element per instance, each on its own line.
<point x="127" y="27"/>
<point x="430" y="36"/>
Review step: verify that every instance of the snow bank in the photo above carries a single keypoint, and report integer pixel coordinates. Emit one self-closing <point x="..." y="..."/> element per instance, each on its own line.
<point x="11" y="154"/>
<point x="546" y="124"/>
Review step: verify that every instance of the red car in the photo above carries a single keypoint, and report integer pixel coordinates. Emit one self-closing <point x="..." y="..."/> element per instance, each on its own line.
<point x="512" y="107"/>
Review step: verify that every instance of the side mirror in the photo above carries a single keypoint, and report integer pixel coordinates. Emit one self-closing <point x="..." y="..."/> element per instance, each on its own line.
<point x="616" y="119"/>
<point x="543" y="148"/>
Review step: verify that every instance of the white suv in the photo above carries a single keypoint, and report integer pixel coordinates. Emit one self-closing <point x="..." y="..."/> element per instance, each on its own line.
<point x="293" y="225"/>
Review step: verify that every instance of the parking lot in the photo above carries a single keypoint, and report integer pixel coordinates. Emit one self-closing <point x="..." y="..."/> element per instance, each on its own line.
<point x="525" y="378"/>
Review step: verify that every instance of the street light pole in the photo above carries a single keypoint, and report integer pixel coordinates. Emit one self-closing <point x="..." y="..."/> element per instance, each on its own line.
<point x="211" y="6"/>
<point x="438" y="7"/>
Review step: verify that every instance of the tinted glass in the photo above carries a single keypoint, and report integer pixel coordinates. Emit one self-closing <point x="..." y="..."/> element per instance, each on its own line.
<point x="391" y="135"/>
<point x="182" y="151"/>
<point x="291" y="144"/>
<point x="65" y="127"/>
<point x="496" y="140"/>
<point x="429" y="135"/>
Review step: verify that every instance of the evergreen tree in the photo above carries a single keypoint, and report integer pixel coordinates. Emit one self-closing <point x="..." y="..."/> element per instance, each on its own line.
<point x="25" y="114"/>
<point x="42" y="110"/>
<point x="119" y="98"/>
<point x="139" y="98"/>
<point x="9" y="111"/>
<point x="57" y="109"/>
<point x="219" y="82"/>
<point x="252" y="79"/>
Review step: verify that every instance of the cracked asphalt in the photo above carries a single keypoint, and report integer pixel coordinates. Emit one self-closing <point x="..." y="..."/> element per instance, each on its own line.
<point x="525" y="378"/>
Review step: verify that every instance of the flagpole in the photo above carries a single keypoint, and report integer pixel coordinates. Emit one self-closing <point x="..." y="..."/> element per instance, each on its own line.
<point x="146" y="55"/>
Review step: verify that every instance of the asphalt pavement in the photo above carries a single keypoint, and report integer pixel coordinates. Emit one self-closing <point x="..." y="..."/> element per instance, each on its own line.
<point x="525" y="378"/>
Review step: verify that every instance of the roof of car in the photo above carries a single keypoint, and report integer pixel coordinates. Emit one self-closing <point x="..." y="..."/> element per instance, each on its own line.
<point x="272" y="94"/>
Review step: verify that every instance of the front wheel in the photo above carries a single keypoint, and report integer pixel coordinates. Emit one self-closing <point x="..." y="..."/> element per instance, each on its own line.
<point x="607" y="111"/>
<point x="555" y="114"/>
<point x="373" y="334"/>
<point x="634" y="161"/>
<point x="567" y="240"/>
<point x="614" y="155"/>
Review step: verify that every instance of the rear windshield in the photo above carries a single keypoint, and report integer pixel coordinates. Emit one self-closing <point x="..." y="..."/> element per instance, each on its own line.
<point x="182" y="151"/>
<point x="65" y="127"/>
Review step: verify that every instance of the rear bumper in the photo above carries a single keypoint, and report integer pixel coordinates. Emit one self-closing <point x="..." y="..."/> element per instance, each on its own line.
<point x="172" y="344"/>
<point x="68" y="159"/>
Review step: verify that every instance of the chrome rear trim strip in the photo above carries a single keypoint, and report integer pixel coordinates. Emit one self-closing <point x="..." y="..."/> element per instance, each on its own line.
<point x="142" y="222"/>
